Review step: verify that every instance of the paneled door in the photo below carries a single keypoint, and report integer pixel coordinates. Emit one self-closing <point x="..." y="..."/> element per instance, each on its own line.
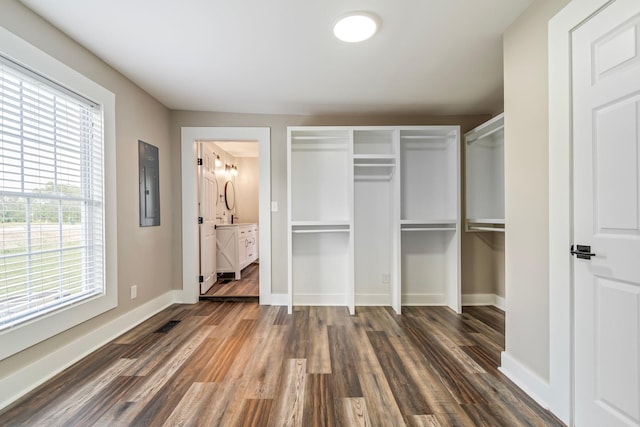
<point x="606" y="191"/>
<point x="207" y="205"/>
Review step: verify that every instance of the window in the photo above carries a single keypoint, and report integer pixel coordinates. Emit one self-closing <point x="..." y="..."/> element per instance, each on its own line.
<point x="58" y="239"/>
<point x="51" y="196"/>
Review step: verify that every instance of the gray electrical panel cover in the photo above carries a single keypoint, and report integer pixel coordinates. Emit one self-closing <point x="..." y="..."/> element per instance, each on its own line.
<point x="149" y="179"/>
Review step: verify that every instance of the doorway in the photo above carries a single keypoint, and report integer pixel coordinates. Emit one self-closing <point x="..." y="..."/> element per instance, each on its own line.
<point x="235" y="252"/>
<point x="190" y="137"/>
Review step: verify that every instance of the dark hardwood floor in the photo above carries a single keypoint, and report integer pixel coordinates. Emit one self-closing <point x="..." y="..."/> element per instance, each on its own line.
<point x="247" y="288"/>
<point x="238" y="364"/>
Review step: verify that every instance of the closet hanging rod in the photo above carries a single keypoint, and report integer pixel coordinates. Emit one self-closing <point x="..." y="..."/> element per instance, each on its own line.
<point x="421" y="222"/>
<point x="374" y="165"/>
<point x="485" y="221"/>
<point x="484" y="135"/>
<point x="321" y="230"/>
<point x="440" y="137"/>
<point x="428" y="229"/>
<point x="500" y="230"/>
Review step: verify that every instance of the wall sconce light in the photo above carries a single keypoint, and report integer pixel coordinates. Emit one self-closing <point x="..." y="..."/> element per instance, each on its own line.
<point x="231" y="169"/>
<point x="218" y="162"/>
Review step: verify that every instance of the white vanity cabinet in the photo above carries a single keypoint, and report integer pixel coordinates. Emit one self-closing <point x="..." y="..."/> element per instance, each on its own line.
<point x="237" y="247"/>
<point x="373" y="216"/>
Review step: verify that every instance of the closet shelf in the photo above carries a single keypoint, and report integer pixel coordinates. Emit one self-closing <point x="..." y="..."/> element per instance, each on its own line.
<point x="428" y="225"/>
<point x="419" y="222"/>
<point x="320" y="223"/>
<point x="374" y="157"/>
<point x="374" y="165"/>
<point x="318" y="138"/>
<point x="301" y="227"/>
<point x="319" y="230"/>
<point x="319" y="146"/>
<point x="438" y="137"/>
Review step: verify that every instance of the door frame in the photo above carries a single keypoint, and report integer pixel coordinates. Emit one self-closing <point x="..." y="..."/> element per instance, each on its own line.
<point x="561" y="348"/>
<point x="189" y="175"/>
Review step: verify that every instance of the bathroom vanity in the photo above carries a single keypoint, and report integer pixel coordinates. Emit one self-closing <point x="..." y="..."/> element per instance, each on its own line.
<point x="237" y="247"/>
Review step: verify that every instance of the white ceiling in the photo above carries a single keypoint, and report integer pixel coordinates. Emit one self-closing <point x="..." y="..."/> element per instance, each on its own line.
<point x="280" y="56"/>
<point x="239" y="148"/>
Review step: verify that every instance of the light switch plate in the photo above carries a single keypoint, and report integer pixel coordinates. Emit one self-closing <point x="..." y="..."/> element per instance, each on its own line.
<point x="274" y="206"/>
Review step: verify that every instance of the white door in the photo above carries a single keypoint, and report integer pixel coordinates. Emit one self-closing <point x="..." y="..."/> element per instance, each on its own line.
<point x="606" y="191"/>
<point x="207" y="205"/>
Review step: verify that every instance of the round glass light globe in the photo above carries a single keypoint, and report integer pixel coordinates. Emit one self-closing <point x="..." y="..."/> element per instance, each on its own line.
<point x="355" y="27"/>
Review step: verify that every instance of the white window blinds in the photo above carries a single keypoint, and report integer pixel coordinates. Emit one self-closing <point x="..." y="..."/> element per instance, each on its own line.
<point x="51" y="196"/>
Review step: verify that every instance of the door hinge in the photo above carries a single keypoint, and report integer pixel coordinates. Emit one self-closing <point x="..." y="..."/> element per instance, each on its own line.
<point x="199" y="161"/>
<point x="200" y="279"/>
<point x="200" y="220"/>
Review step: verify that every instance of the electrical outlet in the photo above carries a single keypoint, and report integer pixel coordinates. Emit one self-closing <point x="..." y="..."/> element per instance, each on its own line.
<point x="274" y="206"/>
<point x="134" y="291"/>
<point x="385" y="278"/>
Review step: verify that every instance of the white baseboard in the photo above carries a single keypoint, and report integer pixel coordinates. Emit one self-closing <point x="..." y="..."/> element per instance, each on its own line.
<point x="373" y="299"/>
<point x="484" y="299"/>
<point x="424" y="299"/>
<point x="537" y="388"/>
<point x="26" y="379"/>
<point x="276" y="299"/>
<point x="384" y="299"/>
<point x="320" y="299"/>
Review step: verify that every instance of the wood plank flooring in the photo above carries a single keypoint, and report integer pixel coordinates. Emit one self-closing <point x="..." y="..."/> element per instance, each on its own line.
<point x="227" y="287"/>
<point x="241" y="364"/>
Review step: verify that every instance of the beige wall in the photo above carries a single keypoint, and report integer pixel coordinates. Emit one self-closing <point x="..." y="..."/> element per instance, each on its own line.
<point x="526" y="192"/>
<point x="144" y="254"/>
<point x="247" y="189"/>
<point x="478" y="260"/>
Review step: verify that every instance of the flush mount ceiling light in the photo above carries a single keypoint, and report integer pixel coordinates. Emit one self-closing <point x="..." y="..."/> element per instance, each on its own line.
<point x="356" y="26"/>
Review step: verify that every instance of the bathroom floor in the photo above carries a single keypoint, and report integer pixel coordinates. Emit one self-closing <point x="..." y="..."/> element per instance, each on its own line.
<point x="248" y="287"/>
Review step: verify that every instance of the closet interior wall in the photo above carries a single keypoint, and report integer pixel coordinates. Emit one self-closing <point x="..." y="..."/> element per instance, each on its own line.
<point x="374" y="163"/>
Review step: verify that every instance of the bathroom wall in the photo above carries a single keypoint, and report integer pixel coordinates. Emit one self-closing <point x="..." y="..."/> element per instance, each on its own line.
<point x="247" y="185"/>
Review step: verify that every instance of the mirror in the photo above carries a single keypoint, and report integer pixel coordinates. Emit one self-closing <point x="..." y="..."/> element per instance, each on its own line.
<point x="229" y="195"/>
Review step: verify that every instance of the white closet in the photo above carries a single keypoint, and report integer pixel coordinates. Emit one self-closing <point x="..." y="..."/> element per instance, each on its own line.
<point x="485" y="176"/>
<point x="373" y="216"/>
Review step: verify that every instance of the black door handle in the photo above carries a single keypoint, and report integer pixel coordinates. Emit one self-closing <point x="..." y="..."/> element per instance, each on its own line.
<point x="582" y="252"/>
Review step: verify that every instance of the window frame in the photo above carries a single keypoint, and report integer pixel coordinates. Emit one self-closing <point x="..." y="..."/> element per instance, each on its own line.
<point x="38" y="329"/>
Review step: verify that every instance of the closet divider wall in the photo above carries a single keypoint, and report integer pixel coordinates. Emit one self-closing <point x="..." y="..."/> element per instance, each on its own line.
<point x="373" y="216"/>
